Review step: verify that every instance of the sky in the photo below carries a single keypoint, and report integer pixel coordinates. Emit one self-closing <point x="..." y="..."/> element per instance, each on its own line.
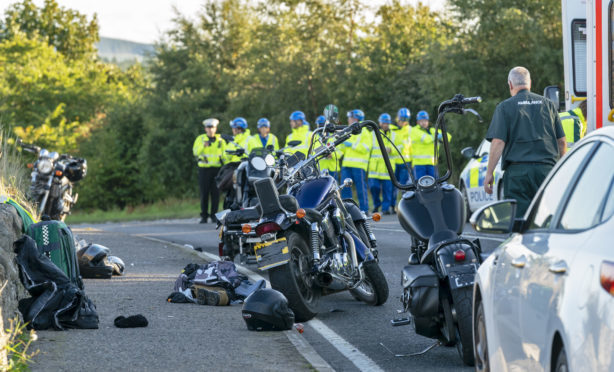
<point x="145" y="21"/>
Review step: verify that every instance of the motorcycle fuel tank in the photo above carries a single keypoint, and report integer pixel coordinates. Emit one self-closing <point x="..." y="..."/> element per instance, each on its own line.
<point x="312" y="193"/>
<point x="419" y="221"/>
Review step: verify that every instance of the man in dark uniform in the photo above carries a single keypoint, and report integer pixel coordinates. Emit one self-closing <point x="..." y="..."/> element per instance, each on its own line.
<point x="526" y="130"/>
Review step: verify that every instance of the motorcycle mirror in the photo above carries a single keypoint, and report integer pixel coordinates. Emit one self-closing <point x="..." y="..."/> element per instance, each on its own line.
<point x="348" y="182"/>
<point x="331" y="113"/>
<point x="472" y="111"/>
<point x="468" y="152"/>
<point x="227" y="137"/>
<point x="270" y="148"/>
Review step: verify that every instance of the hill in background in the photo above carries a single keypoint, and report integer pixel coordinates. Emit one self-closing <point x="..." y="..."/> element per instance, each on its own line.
<point x="123" y="51"/>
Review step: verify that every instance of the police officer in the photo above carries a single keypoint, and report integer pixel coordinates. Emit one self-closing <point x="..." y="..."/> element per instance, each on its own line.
<point x="423" y="146"/>
<point x="574" y="123"/>
<point x="356" y="153"/>
<point x="209" y="150"/>
<point x="241" y="138"/>
<point x="264" y="138"/>
<point x="526" y="133"/>
<point x="379" y="179"/>
<point x="300" y="132"/>
<point x="403" y="143"/>
<point x="331" y="162"/>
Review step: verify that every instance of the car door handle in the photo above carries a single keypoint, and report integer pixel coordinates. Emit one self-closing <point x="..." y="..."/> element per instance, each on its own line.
<point x="559" y="267"/>
<point x="519" y="262"/>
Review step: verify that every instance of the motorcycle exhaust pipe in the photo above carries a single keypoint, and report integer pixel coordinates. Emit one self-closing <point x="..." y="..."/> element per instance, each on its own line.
<point x="328" y="280"/>
<point x="353" y="254"/>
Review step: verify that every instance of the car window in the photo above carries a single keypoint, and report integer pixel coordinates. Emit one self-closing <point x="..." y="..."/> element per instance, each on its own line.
<point x="552" y="195"/>
<point x="585" y="206"/>
<point x="484" y="149"/>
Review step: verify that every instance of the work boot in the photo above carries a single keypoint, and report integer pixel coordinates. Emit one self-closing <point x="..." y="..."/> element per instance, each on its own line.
<point x="206" y="297"/>
<point x="203" y="220"/>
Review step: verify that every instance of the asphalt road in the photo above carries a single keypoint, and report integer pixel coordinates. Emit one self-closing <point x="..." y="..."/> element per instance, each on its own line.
<point x="352" y="323"/>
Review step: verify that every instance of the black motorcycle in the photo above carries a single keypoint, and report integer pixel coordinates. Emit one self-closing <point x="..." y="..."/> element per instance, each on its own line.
<point x="313" y="243"/>
<point x="438" y="282"/>
<point x="53" y="176"/>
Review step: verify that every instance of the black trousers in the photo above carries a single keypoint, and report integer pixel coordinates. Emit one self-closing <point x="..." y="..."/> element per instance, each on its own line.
<point x="206" y="183"/>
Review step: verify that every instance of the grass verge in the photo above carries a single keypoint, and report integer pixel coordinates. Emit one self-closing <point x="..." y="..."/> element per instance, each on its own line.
<point x="171" y="208"/>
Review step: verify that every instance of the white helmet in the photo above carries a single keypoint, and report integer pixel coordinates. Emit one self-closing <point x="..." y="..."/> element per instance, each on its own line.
<point x="211" y="122"/>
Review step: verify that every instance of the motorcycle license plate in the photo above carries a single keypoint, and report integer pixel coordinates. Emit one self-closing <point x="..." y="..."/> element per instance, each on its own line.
<point x="462" y="278"/>
<point x="272" y="254"/>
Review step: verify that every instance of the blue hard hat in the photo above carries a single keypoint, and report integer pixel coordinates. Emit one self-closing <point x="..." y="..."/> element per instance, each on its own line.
<point x="404" y="114"/>
<point x="422" y="115"/>
<point x="263" y="122"/>
<point x="321" y="120"/>
<point x="356" y="114"/>
<point x="297" y="115"/>
<point x="385" y="118"/>
<point x="238" y="123"/>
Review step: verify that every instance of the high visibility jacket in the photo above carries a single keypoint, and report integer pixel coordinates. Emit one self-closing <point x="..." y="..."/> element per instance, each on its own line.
<point x="422" y="145"/>
<point x="242" y="140"/>
<point x="209" y="156"/>
<point x="377" y="165"/>
<point x="572" y="126"/>
<point x="302" y="134"/>
<point x="357" y="151"/>
<point x="255" y="142"/>
<point x="578" y="112"/>
<point x="331" y="164"/>
<point x="403" y="143"/>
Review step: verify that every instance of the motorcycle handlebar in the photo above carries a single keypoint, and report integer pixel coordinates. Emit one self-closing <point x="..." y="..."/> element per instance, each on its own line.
<point x="470" y="100"/>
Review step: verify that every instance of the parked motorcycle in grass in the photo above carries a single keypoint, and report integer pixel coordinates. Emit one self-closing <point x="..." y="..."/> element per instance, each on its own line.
<point x="53" y="176"/>
<point x="314" y="243"/>
<point x="438" y="282"/>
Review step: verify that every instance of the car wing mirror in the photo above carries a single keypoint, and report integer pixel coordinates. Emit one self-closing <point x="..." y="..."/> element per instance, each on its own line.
<point x="552" y="92"/>
<point x="496" y="218"/>
<point x="468" y="152"/>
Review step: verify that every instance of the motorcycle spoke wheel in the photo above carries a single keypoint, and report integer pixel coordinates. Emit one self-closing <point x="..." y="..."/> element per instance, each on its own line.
<point x="300" y="270"/>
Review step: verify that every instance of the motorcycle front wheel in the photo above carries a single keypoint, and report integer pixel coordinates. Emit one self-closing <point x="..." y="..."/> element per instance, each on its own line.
<point x="374" y="288"/>
<point x="294" y="279"/>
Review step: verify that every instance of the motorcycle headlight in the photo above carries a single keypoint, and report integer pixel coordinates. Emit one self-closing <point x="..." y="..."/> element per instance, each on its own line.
<point x="269" y="160"/>
<point x="44" y="166"/>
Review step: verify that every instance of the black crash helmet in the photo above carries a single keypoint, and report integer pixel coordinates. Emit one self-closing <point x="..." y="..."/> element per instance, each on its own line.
<point x="118" y="265"/>
<point x="267" y="310"/>
<point x="93" y="254"/>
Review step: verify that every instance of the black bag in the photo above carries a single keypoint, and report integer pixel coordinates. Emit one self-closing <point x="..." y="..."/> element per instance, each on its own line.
<point x="223" y="179"/>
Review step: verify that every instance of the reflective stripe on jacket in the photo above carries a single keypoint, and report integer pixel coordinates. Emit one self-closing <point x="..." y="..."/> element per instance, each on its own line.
<point x="377" y="165"/>
<point x="403" y="143"/>
<point x="255" y="142"/>
<point x="422" y="145"/>
<point x="209" y="156"/>
<point x="241" y="139"/>
<point x="572" y="126"/>
<point x="356" y="155"/>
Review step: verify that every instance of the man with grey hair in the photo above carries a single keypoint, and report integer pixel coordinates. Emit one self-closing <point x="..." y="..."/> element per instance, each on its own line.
<point x="526" y="133"/>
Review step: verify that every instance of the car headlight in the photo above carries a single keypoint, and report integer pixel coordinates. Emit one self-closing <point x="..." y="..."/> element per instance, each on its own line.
<point x="44" y="166"/>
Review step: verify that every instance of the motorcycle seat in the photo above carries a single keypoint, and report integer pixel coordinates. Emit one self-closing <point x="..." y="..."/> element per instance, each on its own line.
<point x="243" y="216"/>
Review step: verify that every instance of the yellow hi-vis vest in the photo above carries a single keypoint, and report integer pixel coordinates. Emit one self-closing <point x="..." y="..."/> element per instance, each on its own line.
<point x="578" y="112"/>
<point x="403" y="143"/>
<point x="572" y="126"/>
<point x="241" y="139"/>
<point x="302" y="134"/>
<point x="377" y="165"/>
<point x="422" y="145"/>
<point x="255" y="142"/>
<point x="209" y="156"/>
<point x="331" y="164"/>
<point x="357" y="153"/>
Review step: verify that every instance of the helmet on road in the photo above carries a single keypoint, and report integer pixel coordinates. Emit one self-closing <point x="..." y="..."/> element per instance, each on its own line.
<point x="297" y="115"/>
<point x="211" y="122"/>
<point x="321" y="120"/>
<point x="267" y="310"/>
<point x="404" y="114"/>
<point x="422" y="115"/>
<point x="385" y="118"/>
<point x="356" y="114"/>
<point x="263" y="122"/>
<point x="118" y="265"/>
<point x="238" y="123"/>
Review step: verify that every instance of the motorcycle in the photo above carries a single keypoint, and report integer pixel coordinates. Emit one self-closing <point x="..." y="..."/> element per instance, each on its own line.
<point x="312" y="242"/>
<point x="52" y="179"/>
<point x="438" y="280"/>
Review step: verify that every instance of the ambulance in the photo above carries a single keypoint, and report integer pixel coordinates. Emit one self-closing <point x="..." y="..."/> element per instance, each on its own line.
<point x="588" y="40"/>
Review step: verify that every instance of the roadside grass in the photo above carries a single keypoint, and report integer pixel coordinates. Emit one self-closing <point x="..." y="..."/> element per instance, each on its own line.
<point x="167" y="209"/>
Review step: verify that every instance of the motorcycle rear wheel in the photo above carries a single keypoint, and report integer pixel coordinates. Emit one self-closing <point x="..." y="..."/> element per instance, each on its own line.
<point x="294" y="280"/>
<point x="463" y="304"/>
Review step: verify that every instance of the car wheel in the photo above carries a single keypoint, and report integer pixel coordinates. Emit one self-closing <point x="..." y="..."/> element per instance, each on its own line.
<point x="466" y="200"/>
<point x="480" y="345"/>
<point x="561" y="361"/>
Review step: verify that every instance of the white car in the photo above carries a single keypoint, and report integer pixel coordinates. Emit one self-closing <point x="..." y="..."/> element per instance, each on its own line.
<point x="471" y="182"/>
<point x="544" y="299"/>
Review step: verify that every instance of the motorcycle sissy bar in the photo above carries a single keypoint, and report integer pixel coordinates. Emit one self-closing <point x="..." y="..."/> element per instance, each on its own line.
<point x="437" y="343"/>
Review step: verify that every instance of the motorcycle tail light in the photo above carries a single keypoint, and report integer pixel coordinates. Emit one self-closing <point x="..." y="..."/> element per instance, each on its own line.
<point x="220" y="249"/>
<point x="300" y="213"/>
<point x="58" y="173"/>
<point x="246" y="228"/>
<point x="267" y="227"/>
<point x="607" y="276"/>
<point x="459" y="255"/>
<point x="30" y="165"/>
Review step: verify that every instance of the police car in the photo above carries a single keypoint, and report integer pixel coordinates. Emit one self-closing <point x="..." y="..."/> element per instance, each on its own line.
<point x="471" y="182"/>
